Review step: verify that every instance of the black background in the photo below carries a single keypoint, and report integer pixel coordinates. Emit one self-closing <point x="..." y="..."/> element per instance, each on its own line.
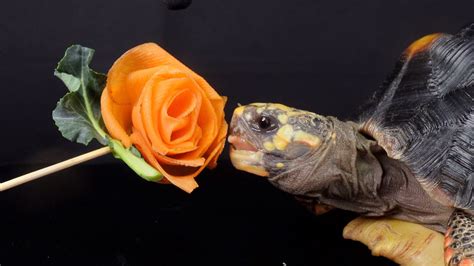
<point x="324" y="56"/>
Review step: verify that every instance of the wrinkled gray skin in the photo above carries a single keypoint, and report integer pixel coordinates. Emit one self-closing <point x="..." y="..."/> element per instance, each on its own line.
<point x="339" y="166"/>
<point x="411" y="157"/>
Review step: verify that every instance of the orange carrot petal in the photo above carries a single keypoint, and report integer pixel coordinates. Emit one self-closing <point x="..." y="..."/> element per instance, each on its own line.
<point x="161" y="158"/>
<point x="186" y="183"/>
<point x="146" y="116"/>
<point x="218" y="144"/>
<point x="125" y="87"/>
<point x="175" y="109"/>
<point x="209" y="125"/>
<point x="159" y="125"/>
<point x="208" y="90"/>
<point x="117" y="118"/>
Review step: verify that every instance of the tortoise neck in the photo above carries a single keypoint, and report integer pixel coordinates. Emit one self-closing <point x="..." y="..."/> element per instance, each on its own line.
<point x="340" y="171"/>
<point x="360" y="177"/>
<point x="348" y="173"/>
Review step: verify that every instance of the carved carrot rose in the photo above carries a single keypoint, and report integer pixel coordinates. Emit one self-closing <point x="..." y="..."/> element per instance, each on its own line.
<point x="169" y="113"/>
<point x="151" y="111"/>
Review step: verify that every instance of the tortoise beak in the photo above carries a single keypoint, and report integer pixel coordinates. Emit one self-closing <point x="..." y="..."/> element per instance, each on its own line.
<point x="240" y="143"/>
<point x="248" y="161"/>
<point x="243" y="154"/>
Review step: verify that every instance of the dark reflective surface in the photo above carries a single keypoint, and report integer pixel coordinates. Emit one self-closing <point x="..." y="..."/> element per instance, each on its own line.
<point x="102" y="214"/>
<point x="323" y="56"/>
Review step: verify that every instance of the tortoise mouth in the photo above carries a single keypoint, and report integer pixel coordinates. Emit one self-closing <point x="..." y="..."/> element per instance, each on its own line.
<point x="239" y="143"/>
<point x="244" y="156"/>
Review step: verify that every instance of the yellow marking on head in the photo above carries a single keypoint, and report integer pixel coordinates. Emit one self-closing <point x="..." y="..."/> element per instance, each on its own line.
<point x="311" y="140"/>
<point x="248" y="116"/>
<point x="257" y="170"/>
<point x="282" y="107"/>
<point x="268" y="146"/>
<point x="333" y="137"/>
<point x="293" y="113"/>
<point x="421" y="44"/>
<point x="283" y="137"/>
<point x="248" y="161"/>
<point x="280" y="143"/>
<point x="285" y="132"/>
<point x="283" y="118"/>
<point x="258" y="104"/>
<point x="239" y="110"/>
<point x="260" y="110"/>
<point x="279" y="165"/>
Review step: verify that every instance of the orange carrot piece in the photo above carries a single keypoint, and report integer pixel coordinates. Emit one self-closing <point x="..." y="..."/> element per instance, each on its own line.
<point x="117" y="118"/>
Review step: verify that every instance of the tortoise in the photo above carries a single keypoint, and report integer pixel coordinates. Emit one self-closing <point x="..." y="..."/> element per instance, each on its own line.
<point x="409" y="156"/>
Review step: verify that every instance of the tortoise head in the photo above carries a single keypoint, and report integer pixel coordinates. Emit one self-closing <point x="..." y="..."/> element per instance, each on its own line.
<point x="278" y="142"/>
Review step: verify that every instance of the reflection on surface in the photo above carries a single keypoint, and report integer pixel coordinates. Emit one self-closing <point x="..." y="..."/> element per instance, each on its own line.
<point x="104" y="215"/>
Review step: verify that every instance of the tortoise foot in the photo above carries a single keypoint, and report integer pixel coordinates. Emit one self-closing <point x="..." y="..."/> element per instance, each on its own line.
<point x="459" y="240"/>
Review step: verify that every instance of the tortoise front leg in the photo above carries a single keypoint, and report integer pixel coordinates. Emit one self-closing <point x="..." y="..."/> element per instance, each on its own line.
<point x="459" y="240"/>
<point x="406" y="243"/>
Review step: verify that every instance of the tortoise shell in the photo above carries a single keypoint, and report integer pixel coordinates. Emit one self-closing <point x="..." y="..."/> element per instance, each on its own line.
<point x="423" y="115"/>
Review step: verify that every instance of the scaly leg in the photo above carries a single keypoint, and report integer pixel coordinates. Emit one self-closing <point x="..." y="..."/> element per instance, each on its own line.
<point x="406" y="243"/>
<point x="459" y="240"/>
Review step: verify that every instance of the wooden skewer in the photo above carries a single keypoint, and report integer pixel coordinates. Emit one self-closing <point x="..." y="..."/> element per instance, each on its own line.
<point x="53" y="168"/>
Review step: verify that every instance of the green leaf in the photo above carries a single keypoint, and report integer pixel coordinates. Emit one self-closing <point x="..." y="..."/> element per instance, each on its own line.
<point x="77" y="114"/>
<point x="72" y="120"/>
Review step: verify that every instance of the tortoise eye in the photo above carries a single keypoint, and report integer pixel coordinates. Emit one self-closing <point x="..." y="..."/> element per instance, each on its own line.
<point x="266" y="123"/>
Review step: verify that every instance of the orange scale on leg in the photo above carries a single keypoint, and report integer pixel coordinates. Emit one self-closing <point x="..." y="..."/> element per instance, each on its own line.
<point x="466" y="262"/>
<point x="448" y="254"/>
